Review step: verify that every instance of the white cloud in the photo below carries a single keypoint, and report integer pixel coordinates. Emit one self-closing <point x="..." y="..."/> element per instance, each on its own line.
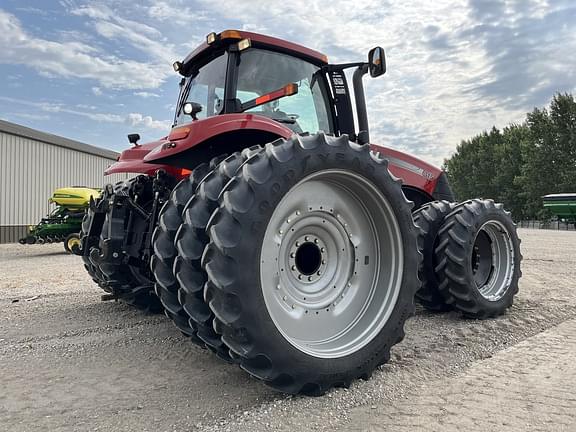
<point x="455" y="67"/>
<point x="146" y="95"/>
<point x="132" y="119"/>
<point x="436" y="90"/>
<point x="137" y="119"/>
<point x="97" y="91"/>
<point x="177" y="13"/>
<point x="111" y="25"/>
<point x="74" y="59"/>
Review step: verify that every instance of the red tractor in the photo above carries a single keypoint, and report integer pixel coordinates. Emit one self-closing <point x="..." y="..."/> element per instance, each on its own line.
<point x="274" y="233"/>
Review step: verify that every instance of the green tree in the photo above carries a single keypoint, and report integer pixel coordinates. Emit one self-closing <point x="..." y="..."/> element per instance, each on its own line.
<point x="550" y="156"/>
<point x="521" y="163"/>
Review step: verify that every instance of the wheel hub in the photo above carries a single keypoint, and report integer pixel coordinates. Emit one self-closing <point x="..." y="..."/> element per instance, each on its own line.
<point x="330" y="243"/>
<point x="493" y="260"/>
<point x="316" y="260"/>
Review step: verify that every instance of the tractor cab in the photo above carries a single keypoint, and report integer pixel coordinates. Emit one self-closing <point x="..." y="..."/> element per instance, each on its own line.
<point x="241" y="72"/>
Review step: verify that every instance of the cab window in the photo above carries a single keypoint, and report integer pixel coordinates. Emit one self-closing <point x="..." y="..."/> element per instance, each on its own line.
<point x="261" y="72"/>
<point x="205" y="87"/>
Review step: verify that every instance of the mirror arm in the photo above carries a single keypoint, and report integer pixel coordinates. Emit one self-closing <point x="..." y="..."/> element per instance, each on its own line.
<point x="363" y="130"/>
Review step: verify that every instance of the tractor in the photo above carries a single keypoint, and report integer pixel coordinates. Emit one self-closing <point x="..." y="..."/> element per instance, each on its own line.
<point x="271" y="230"/>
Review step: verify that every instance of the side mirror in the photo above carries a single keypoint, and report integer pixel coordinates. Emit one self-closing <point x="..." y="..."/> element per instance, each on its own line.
<point x="376" y="62"/>
<point x="191" y="109"/>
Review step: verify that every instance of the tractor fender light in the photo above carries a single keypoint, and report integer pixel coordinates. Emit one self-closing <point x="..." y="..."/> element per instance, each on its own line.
<point x="177" y="66"/>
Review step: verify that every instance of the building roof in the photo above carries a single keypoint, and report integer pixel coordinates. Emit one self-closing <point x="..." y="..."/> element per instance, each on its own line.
<point x="16" y="129"/>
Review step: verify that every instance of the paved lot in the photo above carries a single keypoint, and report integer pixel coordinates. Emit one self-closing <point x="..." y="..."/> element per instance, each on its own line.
<point x="70" y="362"/>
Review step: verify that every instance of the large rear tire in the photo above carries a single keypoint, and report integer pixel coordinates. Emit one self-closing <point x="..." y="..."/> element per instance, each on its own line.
<point x="478" y="259"/>
<point x="313" y="264"/>
<point x="190" y="241"/>
<point x="429" y="219"/>
<point x="165" y="252"/>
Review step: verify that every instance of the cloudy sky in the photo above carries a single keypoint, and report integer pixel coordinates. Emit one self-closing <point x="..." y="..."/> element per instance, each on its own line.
<point x="97" y="70"/>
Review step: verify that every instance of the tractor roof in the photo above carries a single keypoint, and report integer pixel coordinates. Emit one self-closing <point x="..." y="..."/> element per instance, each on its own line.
<point x="258" y="40"/>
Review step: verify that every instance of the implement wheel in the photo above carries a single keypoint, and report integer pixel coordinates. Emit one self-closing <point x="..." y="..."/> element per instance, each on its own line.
<point x="312" y="264"/>
<point x="72" y="243"/>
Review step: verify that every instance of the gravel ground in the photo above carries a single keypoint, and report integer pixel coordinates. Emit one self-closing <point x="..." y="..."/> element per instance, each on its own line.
<point x="72" y="362"/>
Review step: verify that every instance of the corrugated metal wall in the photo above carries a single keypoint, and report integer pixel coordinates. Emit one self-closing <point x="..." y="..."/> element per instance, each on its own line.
<point x="30" y="170"/>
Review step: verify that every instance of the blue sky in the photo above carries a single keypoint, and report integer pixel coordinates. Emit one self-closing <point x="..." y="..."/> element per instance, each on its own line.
<point x="97" y="70"/>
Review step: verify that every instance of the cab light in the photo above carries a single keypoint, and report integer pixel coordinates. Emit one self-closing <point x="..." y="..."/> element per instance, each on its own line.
<point x="179" y="133"/>
<point x="244" y="44"/>
<point x="177" y="66"/>
<point x="230" y="34"/>
<point x="211" y="38"/>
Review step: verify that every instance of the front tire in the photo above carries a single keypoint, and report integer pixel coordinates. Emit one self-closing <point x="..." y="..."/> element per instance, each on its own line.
<point x="312" y="264"/>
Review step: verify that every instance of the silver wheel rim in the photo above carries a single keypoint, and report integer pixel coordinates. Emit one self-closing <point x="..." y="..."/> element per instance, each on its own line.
<point x="331" y="263"/>
<point x="493" y="260"/>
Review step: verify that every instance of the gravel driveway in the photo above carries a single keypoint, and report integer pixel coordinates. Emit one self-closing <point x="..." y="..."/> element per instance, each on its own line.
<point x="71" y="362"/>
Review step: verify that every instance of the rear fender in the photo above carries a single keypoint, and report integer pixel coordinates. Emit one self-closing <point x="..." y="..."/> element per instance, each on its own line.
<point x="202" y="139"/>
<point x="422" y="182"/>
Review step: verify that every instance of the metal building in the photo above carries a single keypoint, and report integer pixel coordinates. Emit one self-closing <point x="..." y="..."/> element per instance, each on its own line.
<point x="33" y="164"/>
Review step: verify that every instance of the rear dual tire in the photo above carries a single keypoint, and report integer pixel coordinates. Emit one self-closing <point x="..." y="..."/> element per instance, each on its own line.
<point x="429" y="219"/>
<point x="479" y="257"/>
<point x="261" y="314"/>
